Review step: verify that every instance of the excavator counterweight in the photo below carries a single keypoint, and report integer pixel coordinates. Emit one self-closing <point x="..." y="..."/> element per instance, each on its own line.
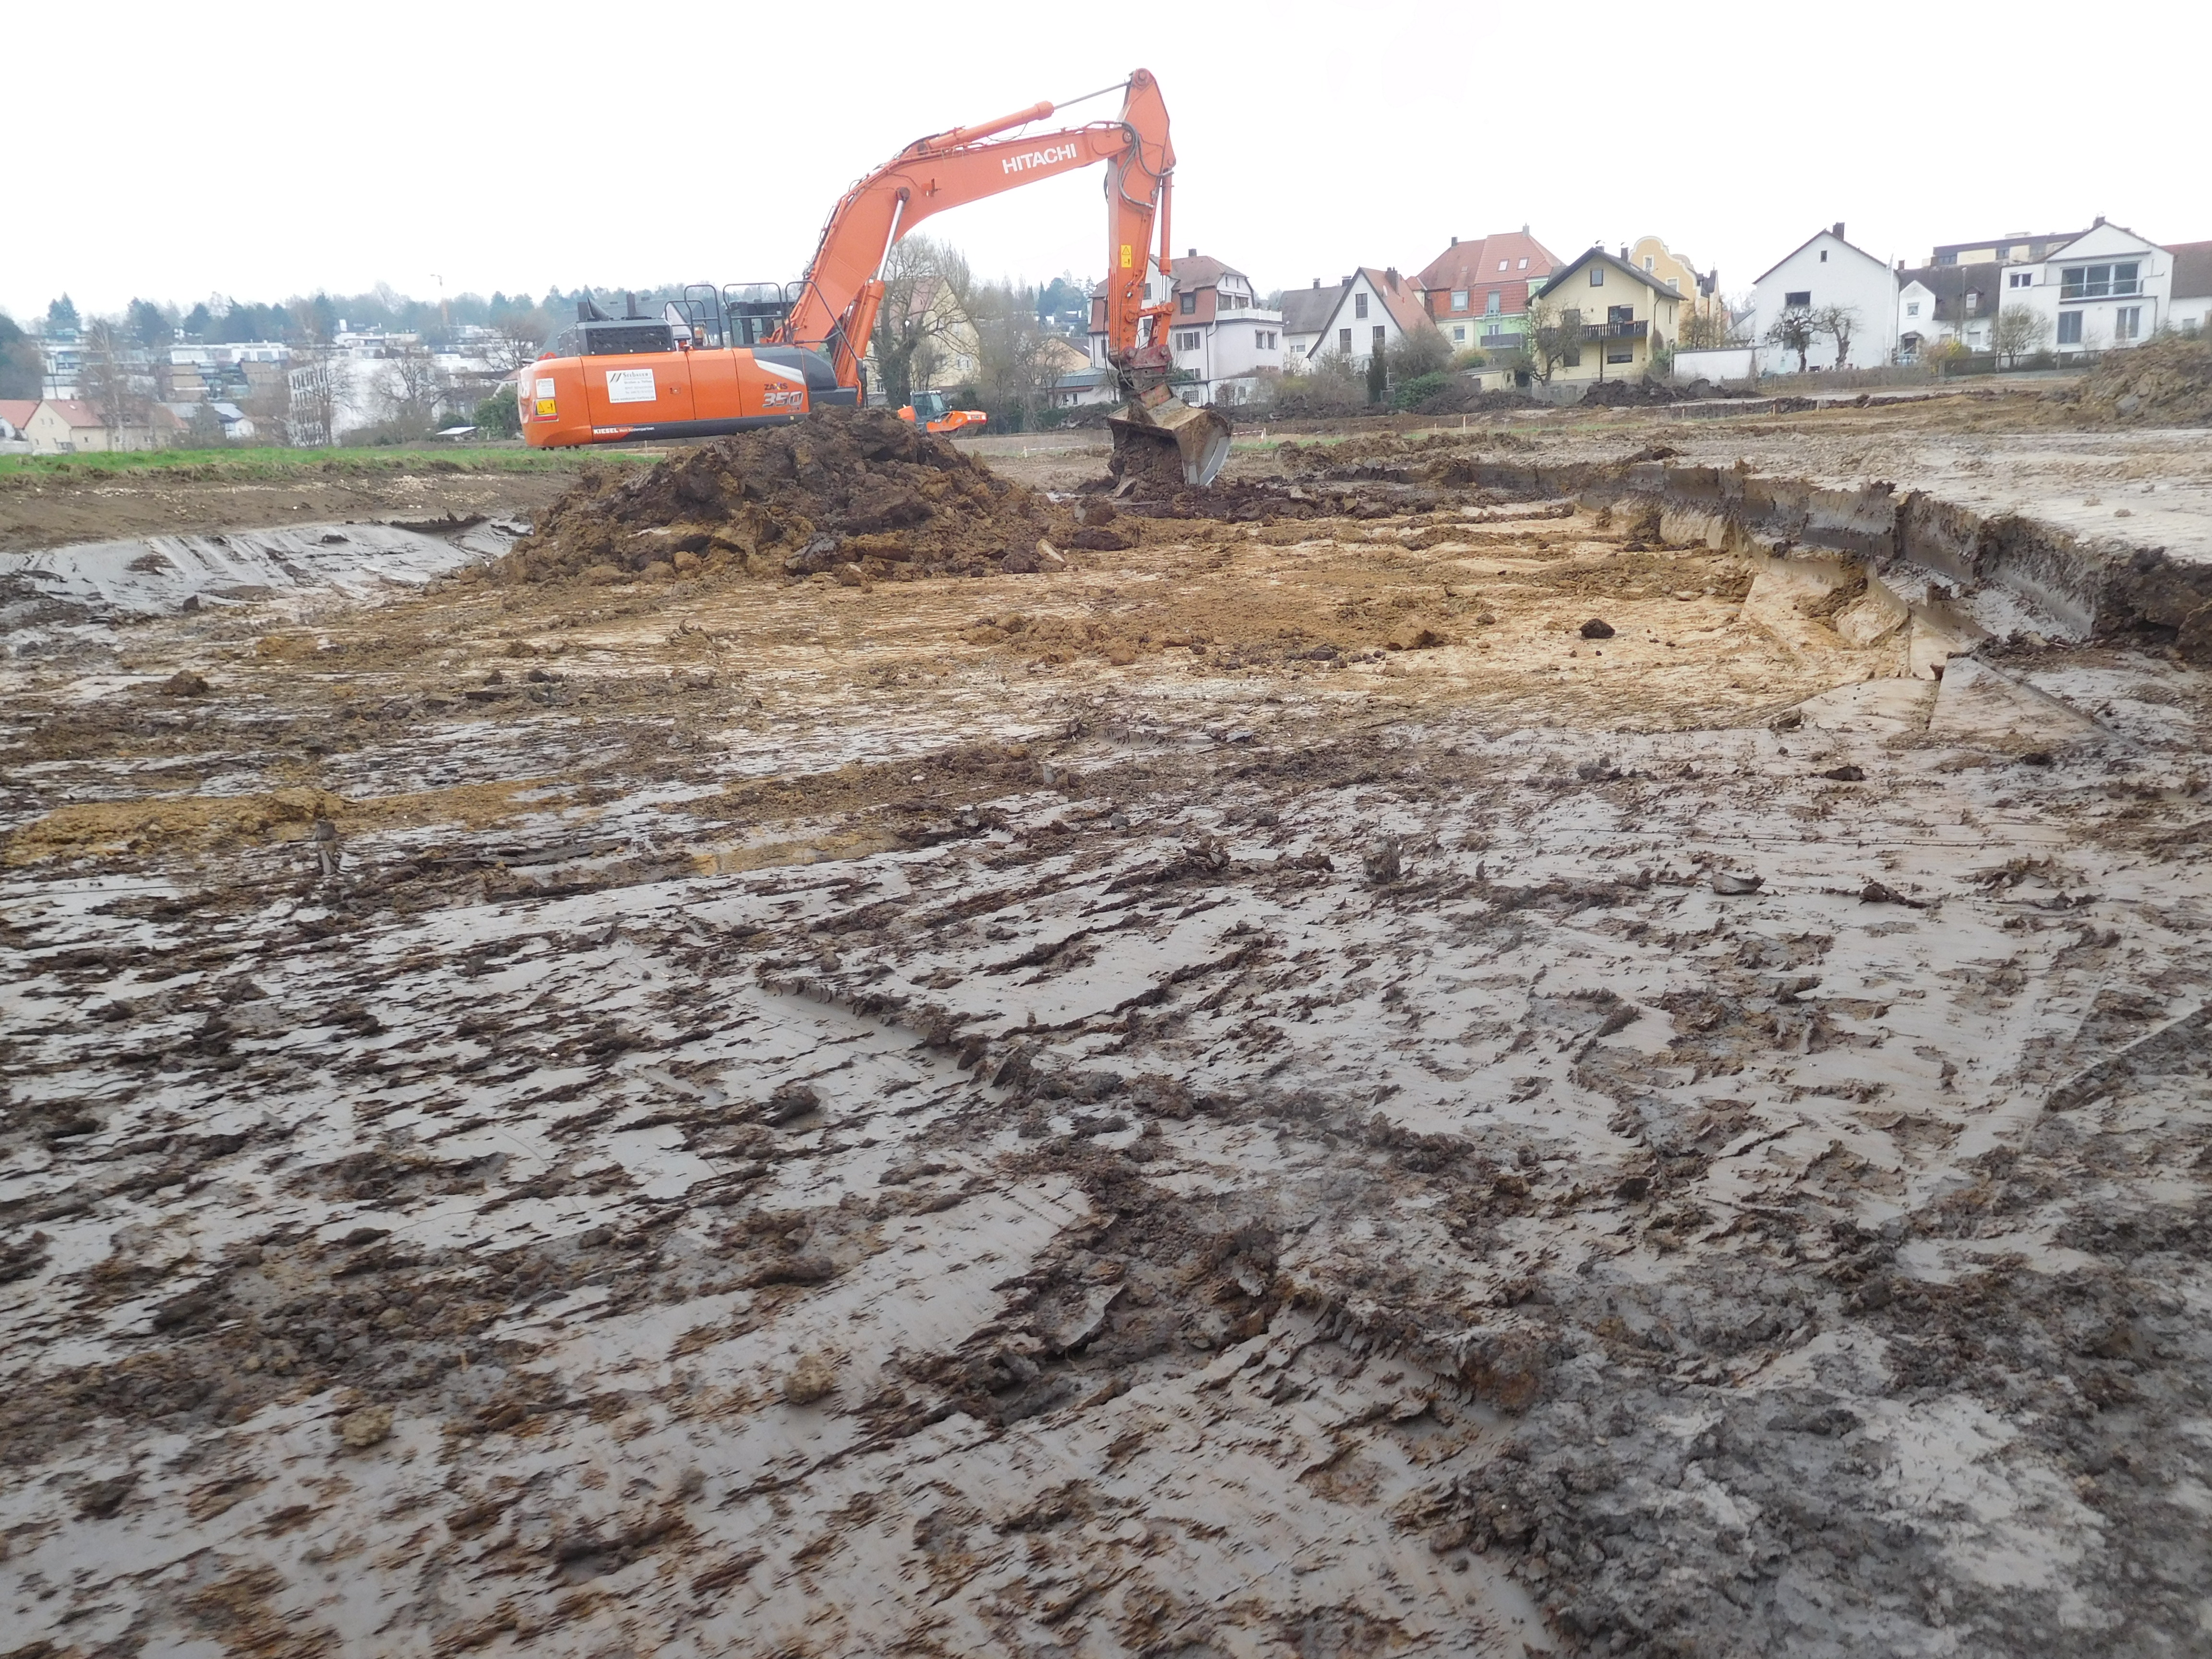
<point x="716" y="364"/>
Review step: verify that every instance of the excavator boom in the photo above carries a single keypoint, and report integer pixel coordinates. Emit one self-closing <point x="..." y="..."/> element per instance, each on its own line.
<point x="694" y="375"/>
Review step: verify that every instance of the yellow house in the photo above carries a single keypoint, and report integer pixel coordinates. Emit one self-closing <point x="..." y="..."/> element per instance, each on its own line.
<point x="1701" y="293"/>
<point x="70" y="425"/>
<point x="1605" y="316"/>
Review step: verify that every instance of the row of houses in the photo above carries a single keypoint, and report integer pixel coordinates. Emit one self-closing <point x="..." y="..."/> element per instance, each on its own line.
<point x="2068" y="293"/>
<point x="1476" y="294"/>
<point x="1625" y="311"/>
<point x="77" y="425"/>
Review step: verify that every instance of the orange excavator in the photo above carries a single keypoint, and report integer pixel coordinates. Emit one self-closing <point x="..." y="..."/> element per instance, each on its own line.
<point x="754" y="354"/>
<point x="936" y="415"/>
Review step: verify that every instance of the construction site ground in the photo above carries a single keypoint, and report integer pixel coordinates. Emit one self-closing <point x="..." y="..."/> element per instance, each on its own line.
<point x="1410" y="1069"/>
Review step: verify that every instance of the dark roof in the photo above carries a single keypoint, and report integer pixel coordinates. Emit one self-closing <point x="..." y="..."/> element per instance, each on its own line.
<point x="1613" y="260"/>
<point x="1307" y="310"/>
<point x="1950" y="284"/>
<point x="2046" y="242"/>
<point x="1825" y="230"/>
<point x="2192" y="270"/>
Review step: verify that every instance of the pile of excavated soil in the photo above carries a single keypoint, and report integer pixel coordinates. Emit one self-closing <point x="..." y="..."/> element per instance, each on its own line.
<point x="858" y="493"/>
<point x="1627" y="394"/>
<point x="2166" y="382"/>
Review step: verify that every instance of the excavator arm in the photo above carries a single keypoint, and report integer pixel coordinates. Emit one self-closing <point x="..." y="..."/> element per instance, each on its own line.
<point x="834" y="313"/>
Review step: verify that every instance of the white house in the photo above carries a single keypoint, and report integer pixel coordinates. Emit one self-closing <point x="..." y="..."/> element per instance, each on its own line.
<point x="1373" y="310"/>
<point x="2108" y="287"/>
<point x="1939" y="302"/>
<point x="1828" y="272"/>
<point x="1220" y="335"/>
<point x="1306" y="312"/>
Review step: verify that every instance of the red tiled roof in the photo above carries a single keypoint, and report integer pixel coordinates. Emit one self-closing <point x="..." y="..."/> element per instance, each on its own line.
<point x="17" y="410"/>
<point x="1475" y="264"/>
<point x="75" y="411"/>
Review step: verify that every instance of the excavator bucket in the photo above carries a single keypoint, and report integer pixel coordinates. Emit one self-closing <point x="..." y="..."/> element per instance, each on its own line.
<point x="1146" y="437"/>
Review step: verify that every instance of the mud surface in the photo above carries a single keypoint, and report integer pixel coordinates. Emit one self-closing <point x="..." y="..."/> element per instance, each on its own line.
<point x="88" y="504"/>
<point x="1108" y="1111"/>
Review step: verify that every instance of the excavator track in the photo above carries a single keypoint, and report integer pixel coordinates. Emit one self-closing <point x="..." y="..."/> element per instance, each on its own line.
<point x="1169" y="435"/>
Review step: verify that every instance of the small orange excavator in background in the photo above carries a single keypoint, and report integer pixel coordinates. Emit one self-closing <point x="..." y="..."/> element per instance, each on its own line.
<point x="754" y="354"/>
<point x="930" y="409"/>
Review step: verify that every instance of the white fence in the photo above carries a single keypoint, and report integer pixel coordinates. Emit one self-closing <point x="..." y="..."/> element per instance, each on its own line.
<point x="1718" y="365"/>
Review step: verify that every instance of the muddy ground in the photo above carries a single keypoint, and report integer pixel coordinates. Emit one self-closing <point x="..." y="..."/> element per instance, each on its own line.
<point x="46" y="509"/>
<point x="1268" y="1092"/>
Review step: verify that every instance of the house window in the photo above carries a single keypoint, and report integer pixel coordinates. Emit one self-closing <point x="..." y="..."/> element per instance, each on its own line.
<point x="1800" y="300"/>
<point x="1647" y="261"/>
<point x="2098" y="282"/>
<point x="2127" y="323"/>
<point x="1493" y="303"/>
<point x="1359" y="305"/>
<point x="2019" y="279"/>
<point x="1459" y="298"/>
<point x="1572" y="357"/>
<point x="1344" y="341"/>
<point x="1622" y="354"/>
<point x="1459" y="334"/>
<point x="1186" y="340"/>
<point x="1378" y="337"/>
<point x="1597" y="275"/>
<point x="1973" y="301"/>
<point x="1524" y="264"/>
<point x="1501" y="263"/>
<point x="1190" y="305"/>
<point x="1824" y="256"/>
<point x="1912" y="308"/>
<point x="1620" y="313"/>
<point x="2070" y="328"/>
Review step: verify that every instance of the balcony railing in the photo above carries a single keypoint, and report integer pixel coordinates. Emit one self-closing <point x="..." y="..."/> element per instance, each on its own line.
<point x="1615" y="331"/>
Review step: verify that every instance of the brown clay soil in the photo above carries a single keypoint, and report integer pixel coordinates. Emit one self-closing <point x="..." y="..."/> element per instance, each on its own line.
<point x="92" y="503"/>
<point x="1260" y="1088"/>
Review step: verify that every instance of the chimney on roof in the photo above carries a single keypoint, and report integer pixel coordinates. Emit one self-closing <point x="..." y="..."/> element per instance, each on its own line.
<point x="1192" y="254"/>
<point x="1390" y="276"/>
<point x="1624" y="254"/>
<point x="1455" y="241"/>
<point x="2100" y="220"/>
<point x="1316" y="282"/>
<point x="1839" y="230"/>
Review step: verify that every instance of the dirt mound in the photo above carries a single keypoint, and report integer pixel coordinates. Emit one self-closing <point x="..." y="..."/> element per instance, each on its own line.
<point x="1627" y="394"/>
<point x="857" y="493"/>
<point x="2166" y="382"/>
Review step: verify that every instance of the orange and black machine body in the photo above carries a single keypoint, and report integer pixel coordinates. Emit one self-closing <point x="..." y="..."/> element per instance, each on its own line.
<point x="720" y="361"/>
<point x="702" y="368"/>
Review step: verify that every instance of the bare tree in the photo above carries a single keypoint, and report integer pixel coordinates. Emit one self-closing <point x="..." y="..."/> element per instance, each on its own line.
<point x="518" y="338"/>
<point x="1708" y="327"/>
<point x="1016" y="364"/>
<point x="1839" y="323"/>
<point x="1554" y="337"/>
<point x="925" y="286"/>
<point x="2020" y="330"/>
<point x="412" y="385"/>
<point x="317" y="389"/>
<point x="108" y="381"/>
<point x="1421" y="349"/>
<point x="1793" y="331"/>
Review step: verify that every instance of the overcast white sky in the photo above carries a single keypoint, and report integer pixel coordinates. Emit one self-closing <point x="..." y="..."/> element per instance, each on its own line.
<point x="267" y="150"/>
